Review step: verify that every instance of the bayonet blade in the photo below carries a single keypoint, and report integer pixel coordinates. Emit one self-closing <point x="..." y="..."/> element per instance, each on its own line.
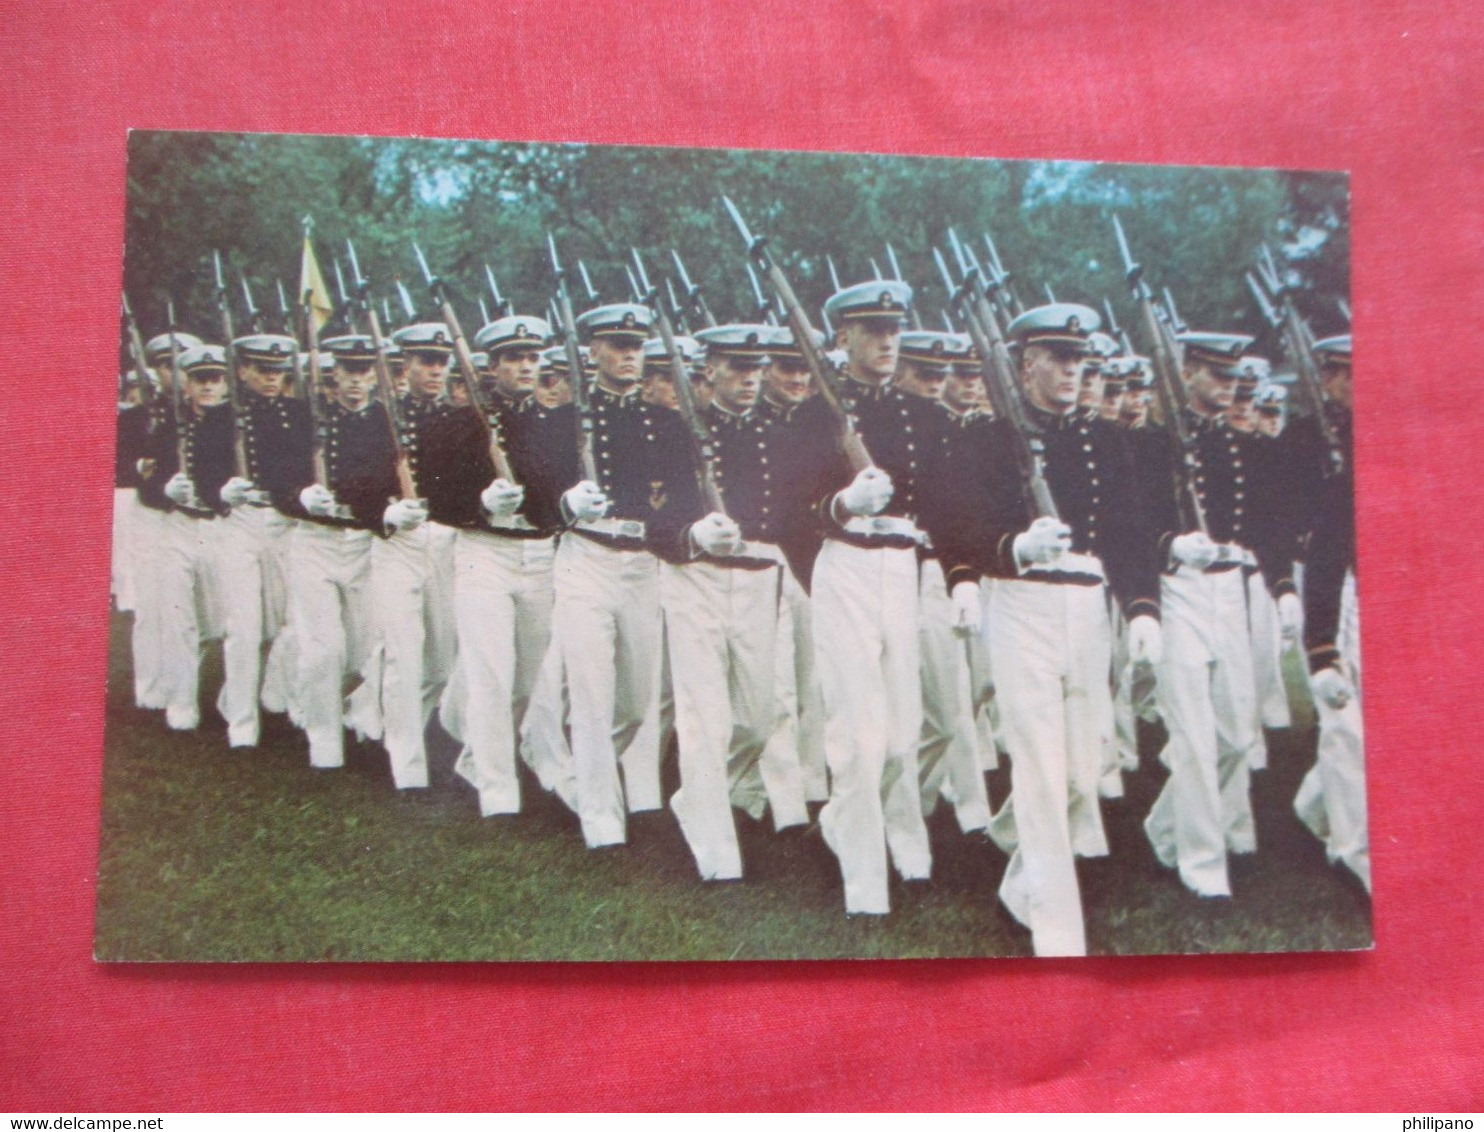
<point x="221" y="280"/>
<point x="405" y="296"/>
<point x="643" y="275"/>
<point x="484" y="312"/>
<point x="834" y="275"/>
<point x="587" y="281"/>
<point x="685" y="282"/>
<point x="357" y="280"/>
<point x="739" y="222"/>
<point x="896" y="268"/>
<point x="1050" y="294"/>
<point x="876" y="269"/>
<point x="489" y="276"/>
<point x="422" y="261"/>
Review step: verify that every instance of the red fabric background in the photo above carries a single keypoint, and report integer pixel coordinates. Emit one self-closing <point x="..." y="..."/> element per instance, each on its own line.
<point x="1393" y="92"/>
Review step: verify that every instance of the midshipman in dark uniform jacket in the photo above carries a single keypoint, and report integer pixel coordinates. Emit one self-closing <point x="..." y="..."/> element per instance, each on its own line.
<point x="606" y="622"/>
<point x="330" y="548"/>
<point x="184" y="593"/>
<point x="1331" y="799"/>
<point x="1206" y="688"/>
<point x="721" y="584"/>
<point x="1048" y="620"/>
<point x="948" y="753"/>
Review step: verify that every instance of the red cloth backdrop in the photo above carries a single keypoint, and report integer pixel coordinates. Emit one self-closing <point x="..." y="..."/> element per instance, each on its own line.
<point x="1393" y="92"/>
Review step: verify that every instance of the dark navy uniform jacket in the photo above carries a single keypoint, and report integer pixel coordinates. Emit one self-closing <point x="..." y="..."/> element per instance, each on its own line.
<point x="208" y="460"/>
<point x="134" y="427"/>
<point x="359" y="465"/>
<point x="541" y="445"/>
<point x="1096" y="488"/>
<point x="758" y="470"/>
<point x="1235" y="475"/>
<point x="1331" y="552"/>
<point x="643" y="456"/>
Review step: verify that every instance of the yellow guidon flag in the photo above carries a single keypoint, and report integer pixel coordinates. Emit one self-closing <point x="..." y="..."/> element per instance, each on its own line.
<point x="312" y="283"/>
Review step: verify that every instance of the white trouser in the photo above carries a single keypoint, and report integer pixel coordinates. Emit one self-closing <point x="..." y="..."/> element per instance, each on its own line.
<point x="502" y="603"/>
<point x="866" y="655"/>
<point x="1050" y="651"/>
<point x="981" y="684"/>
<point x="250" y="548"/>
<point x="182" y="594"/>
<point x="543" y="732"/>
<point x="1270" y="697"/>
<point x="1331" y="798"/>
<point x="607" y="624"/>
<point x="126" y="508"/>
<point x="800" y="733"/>
<point x="948" y="759"/>
<point x="1206" y="698"/>
<point x="151" y="532"/>
<point x="723" y="629"/>
<point x="1123" y="750"/>
<point x="412" y="614"/>
<point x="329" y="590"/>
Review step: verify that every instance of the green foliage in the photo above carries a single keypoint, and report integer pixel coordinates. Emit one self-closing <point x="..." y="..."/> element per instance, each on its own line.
<point x="469" y="203"/>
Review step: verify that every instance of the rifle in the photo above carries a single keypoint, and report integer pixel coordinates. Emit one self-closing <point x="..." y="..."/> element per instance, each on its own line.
<point x="896" y="273"/>
<point x="502" y="306"/>
<point x="578" y="378"/>
<point x="136" y="353"/>
<point x="998" y="280"/>
<point x="685" y="397"/>
<point x="311" y="393"/>
<point x="820" y="370"/>
<point x="1169" y="388"/>
<point x="999" y="378"/>
<point x="490" y="424"/>
<point x="234" y="393"/>
<point x="764" y="310"/>
<point x="406" y="484"/>
<point x="1117" y="331"/>
<point x="1298" y="345"/>
<point x="693" y="296"/>
<point x="287" y="323"/>
<point x="177" y="388"/>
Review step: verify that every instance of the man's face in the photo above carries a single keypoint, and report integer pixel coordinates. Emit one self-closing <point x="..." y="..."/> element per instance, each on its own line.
<point x="1242" y="416"/>
<point x="207" y="389"/>
<point x="701" y="387"/>
<point x="515" y="371"/>
<point x="1335" y="377"/>
<point x="736" y="382"/>
<point x="260" y="379"/>
<point x="659" y="388"/>
<point x="922" y="381"/>
<point x="427" y="373"/>
<point x="1091" y="395"/>
<point x="788" y="381"/>
<point x="620" y="362"/>
<point x="1133" y="410"/>
<point x="1270" y="422"/>
<point x="1112" y="398"/>
<point x="353" y="382"/>
<point x="871" y="346"/>
<point x="162" y="375"/>
<point x="1210" y="393"/>
<point x="458" y="393"/>
<point x="963" y="391"/>
<point x="553" y="390"/>
<point x="1052" y="376"/>
<point x="397" y="369"/>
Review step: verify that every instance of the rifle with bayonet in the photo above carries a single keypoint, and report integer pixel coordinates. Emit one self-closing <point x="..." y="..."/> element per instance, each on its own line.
<point x="694" y="298"/>
<point x="578" y="379"/>
<point x="820" y="369"/>
<point x="977" y="313"/>
<point x="289" y="327"/>
<point x="896" y="273"/>
<point x="361" y="297"/>
<point x="1169" y="387"/>
<point x="234" y="392"/>
<point x="177" y="389"/>
<point x="490" y="424"/>
<point x="1117" y="331"/>
<point x="137" y="355"/>
<point x="1298" y="344"/>
<point x="685" y="397"/>
<point x="502" y="305"/>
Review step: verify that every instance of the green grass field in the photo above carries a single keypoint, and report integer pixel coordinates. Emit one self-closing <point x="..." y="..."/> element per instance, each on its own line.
<point x="217" y="855"/>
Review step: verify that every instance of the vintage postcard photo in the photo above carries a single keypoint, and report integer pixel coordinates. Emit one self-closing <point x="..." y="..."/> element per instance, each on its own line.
<point x="565" y="552"/>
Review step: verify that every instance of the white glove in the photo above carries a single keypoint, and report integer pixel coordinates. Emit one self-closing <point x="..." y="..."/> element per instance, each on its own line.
<point x="585" y="502"/>
<point x="180" y="490"/>
<point x="405" y="514"/>
<point x="1290" y="618"/>
<point x="1146" y="641"/>
<point x="502" y="498"/>
<point x="317" y="500"/>
<point x="145" y="466"/>
<point x="868" y="493"/>
<point x="237" y="491"/>
<point x="1043" y="542"/>
<point x="967" y="611"/>
<point x="1195" y="550"/>
<point x="716" y="535"/>
<point x="1330" y="685"/>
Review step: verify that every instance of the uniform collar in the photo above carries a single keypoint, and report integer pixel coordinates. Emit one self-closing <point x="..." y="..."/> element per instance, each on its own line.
<point x="1044" y="421"/>
<point x="858" y="389"/>
<point x="601" y="396"/>
<point x="724" y="416"/>
<point x="1200" y="424"/>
